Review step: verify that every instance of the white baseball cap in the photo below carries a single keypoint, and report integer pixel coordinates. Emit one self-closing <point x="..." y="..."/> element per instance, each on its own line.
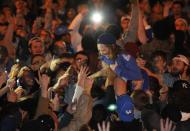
<point x="182" y="58"/>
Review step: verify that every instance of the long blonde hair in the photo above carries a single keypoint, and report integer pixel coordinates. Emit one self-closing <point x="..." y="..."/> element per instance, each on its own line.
<point x="115" y="50"/>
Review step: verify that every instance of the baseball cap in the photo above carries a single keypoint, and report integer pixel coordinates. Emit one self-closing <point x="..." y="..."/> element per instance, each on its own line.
<point x="182" y="20"/>
<point x="107" y="39"/>
<point x="182" y="58"/>
<point x="61" y="30"/>
<point x="125" y="17"/>
<point x="125" y="108"/>
<point x="34" y="39"/>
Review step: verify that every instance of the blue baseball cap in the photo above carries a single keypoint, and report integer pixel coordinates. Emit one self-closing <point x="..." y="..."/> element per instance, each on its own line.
<point x="125" y="108"/>
<point x="107" y="39"/>
<point x="61" y="30"/>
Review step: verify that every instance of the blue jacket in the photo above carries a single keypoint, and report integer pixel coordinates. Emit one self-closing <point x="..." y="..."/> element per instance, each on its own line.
<point x="127" y="68"/>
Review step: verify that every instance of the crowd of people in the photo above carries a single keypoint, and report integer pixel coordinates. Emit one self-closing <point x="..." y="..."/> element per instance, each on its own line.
<point x="126" y="69"/>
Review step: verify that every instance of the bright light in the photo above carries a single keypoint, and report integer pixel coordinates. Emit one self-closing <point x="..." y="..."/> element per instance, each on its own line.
<point x="112" y="107"/>
<point x="97" y="17"/>
<point x="17" y="60"/>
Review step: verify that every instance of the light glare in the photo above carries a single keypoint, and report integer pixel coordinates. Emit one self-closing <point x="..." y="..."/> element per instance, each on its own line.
<point x="97" y="17"/>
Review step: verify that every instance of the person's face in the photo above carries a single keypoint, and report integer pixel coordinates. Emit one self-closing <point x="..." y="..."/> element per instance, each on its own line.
<point x="180" y="25"/>
<point x="37" y="48"/>
<point x="176" y="9"/>
<point x="140" y="62"/>
<point x="20" y="22"/>
<point x="81" y="60"/>
<point x="44" y="36"/>
<point x="104" y="50"/>
<point x="28" y="78"/>
<point x="66" y="38"/>
<point x="37" y="62"/>
<point x="21" y="32"/>
<point x="19" y="4"/>
<point x="178" y="66"/>
<point x="61" y="47"/>
<point x="158" y="62"/>
<point x="144" y="6"/>
<point x="157" y="8"/>
<point x="62" y="2"/>
<point x="55" y="24"/>
<point x="7" y="11"/>
<point x="125" y="24"/>
<point x="71" y="13"/>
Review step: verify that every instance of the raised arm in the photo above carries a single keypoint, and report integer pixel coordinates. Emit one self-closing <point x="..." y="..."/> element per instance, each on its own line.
<point x="48" y="15"/>
<point x="7" y="41"/>
<point x="141" y="29"/>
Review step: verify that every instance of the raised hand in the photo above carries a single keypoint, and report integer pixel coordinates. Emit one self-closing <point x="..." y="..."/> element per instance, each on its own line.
<point x="104" y="126"/>
<point x="56" y="103"/>
<point x="72" y="107"/>
<point x="82" y="76"/>
<point x="11" y="96"/>
<point x="83" y="10"/>
<point x="11" y="84"/>
<point x="88" y="85"/>
<point x="113" y="66"/>
<point x="11" y="20"/>
<point x="168" y="4"/>
<point x="167" y="125"/>
<point x="14" y="71"/>
<point x="2" y="78"/>
<point x="44" y="81"/>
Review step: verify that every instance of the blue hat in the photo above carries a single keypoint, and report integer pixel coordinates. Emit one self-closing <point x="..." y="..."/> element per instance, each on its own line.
<point x="61" y="30"/>
<point x="106" y="38"/>
<point x="125" y="108"/>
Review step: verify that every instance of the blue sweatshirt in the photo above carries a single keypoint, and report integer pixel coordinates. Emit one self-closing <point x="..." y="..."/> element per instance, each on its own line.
<point x="126" y="68"/>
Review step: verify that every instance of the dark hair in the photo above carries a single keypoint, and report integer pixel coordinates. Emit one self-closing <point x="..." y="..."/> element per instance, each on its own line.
<point x="114" y="30"/>
<point x="140" y="99"/>
<point x="3" y="50"/>
<point x="177" y="2"/>
<point x="82" y="53"/>
<point x="151" y="119"/>
<point x="99" y="114"/>
<point x="135" y="125"/>
<point x="34" y="56"/>
<point x="160" y="53"/>
<point x="89" y="43"/>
